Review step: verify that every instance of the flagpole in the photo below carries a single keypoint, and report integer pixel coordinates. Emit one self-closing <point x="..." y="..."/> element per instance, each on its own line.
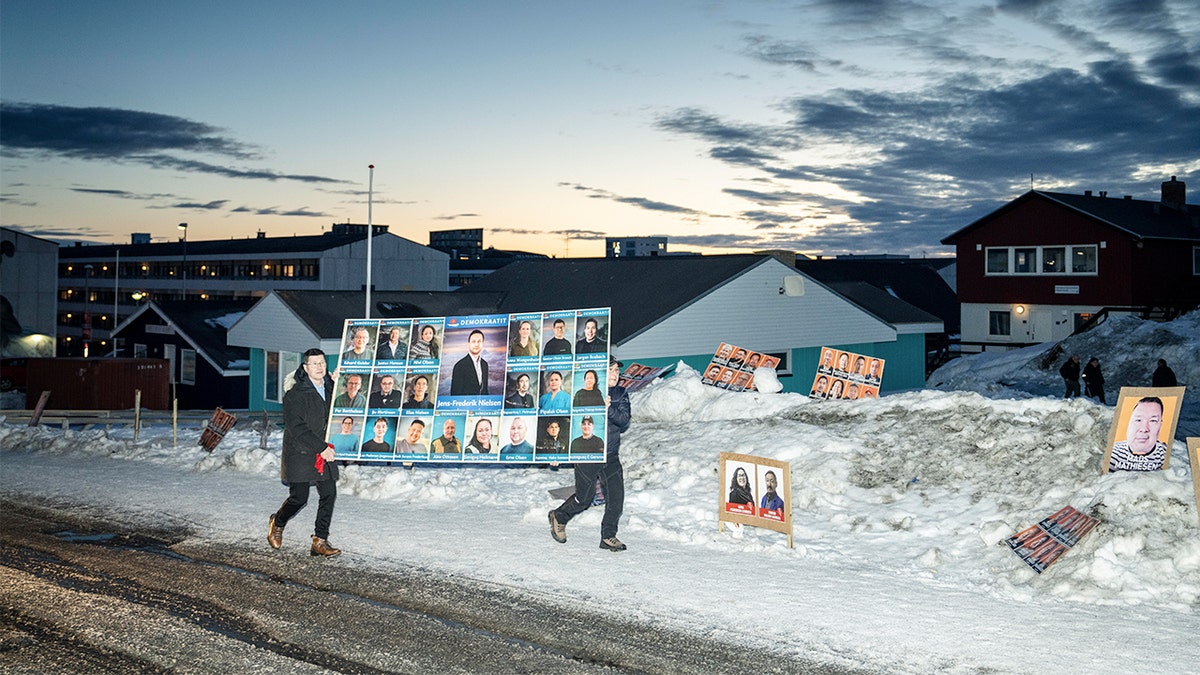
<point x="370" y="232"/>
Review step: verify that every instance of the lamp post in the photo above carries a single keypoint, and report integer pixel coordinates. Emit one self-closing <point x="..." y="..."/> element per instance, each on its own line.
<point x="183" y="226"/>
<point x="87" y="314"/>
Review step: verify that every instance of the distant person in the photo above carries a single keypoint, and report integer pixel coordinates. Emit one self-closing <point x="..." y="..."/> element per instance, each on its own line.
<point x="470" y="375"/>
<point x="359" y="336"/>
<point x="447" y="443"/>
<point x="1093" y="380"/>
<point x="346" y="442"/>
<point x="1070" y="376"/>
<point x="557" y="344"/>
<point x="1141" y="450"/>
<point x="425" y="346"/>
<point x="1163" y="376"/>
<point x="520" y="397"/>
<point x="387" y="396"/>
<point x="590" y="343"/>
<point x="481" y="440"/>
<point x="610" y="475"/>
<point x="554" y="398"/>
<point x="589" y="395"/>
<point x="393" y="348"/>
<point x="523" y="344"/>
<point x="307" y="460"/>
<point x="740" y="491"/>
<point x="419" y="398"/>
<point x="352" y="397"/>
<point x="411" y="443"/>
<point x="517" y="444"/>
<point x="377" y="443"/>
<point x="770" y="499"/>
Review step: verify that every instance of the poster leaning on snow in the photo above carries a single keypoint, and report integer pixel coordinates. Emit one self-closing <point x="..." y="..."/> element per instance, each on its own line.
<point x="732" y="367"/>
<point x="1142" y="429"/>
<point x="755" y="491"/>
<point x="846" y="375"/>
<point x="508" y="388"/>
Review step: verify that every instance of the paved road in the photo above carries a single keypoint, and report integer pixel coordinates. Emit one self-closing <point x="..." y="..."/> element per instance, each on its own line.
<point x="81" y="594"/>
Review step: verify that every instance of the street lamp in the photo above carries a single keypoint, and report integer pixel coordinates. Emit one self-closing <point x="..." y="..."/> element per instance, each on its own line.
<point x="87" y="315"/>
<point x="183" y="226"/>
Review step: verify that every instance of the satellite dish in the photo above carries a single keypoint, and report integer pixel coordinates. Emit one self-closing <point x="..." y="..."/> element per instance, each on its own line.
<point x="793" y="285"/>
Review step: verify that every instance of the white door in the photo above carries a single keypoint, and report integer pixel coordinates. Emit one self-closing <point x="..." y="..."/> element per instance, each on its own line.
<point x="1041" y="325"/>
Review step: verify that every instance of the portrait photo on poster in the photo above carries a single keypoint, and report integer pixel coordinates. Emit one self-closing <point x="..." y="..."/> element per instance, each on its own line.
<point x="1143" y="428"/>
<point x="741" y="488"/>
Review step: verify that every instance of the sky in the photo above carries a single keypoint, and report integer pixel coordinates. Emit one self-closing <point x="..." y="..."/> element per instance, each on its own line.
<point x="899" y="509"/>
<point x="820" y="127"/>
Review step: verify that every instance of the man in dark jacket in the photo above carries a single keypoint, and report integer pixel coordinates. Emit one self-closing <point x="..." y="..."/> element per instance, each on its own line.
<point x="610" y="474"/>
<point x="1163" y="376"/>
<point x="307" y="458"/>
<point x="1093" y="379"/>
<point x="1070" y="376"/>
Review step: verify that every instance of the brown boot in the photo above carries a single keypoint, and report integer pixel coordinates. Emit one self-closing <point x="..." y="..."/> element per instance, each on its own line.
<point x="321" y="547"/>
<point x="274" y="534"/>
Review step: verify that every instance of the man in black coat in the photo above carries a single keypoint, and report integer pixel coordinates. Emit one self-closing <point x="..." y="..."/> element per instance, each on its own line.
<point x="470" y="374"/>
<point x="307" y="457"/>
<point x="1163" y="376"/>
<point x="1070" y="376"/>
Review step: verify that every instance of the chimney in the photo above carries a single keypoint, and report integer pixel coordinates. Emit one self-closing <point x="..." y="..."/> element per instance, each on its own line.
<point x="1174" y="194"/>
<point x="1104" y="193"/>
<point x="1087" y="193"/>
<point x="261" y="235"/>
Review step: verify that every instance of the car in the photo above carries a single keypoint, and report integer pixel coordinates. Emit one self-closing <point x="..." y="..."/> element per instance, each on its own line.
<point x="12" y="374"/>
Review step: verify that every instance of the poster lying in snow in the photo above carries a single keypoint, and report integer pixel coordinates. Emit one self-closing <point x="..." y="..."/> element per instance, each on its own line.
<point x="1143" y="427"/>
<point x="506" y="388"/>
<point x="755" y="491"/>
<point x="1042" y="544"/>
<point x="732" y="367"/>
<point x="637" y="376"/>
<point x="846" y="375"/>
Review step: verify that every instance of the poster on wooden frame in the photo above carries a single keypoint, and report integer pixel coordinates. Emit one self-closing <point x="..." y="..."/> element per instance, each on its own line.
<point x="754" y="491"/>
<point x="1194" y="456"/>
<point x="1143" y="427"/>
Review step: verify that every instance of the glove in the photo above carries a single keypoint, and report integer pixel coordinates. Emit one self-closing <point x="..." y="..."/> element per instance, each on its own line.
<point x="320" y="463"/>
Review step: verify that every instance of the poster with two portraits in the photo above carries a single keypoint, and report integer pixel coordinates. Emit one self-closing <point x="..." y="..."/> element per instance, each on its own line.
<point x="754" y="491"/>
<point x="511" y="388"/>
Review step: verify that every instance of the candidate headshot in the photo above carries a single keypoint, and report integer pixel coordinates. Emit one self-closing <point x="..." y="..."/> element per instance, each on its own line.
<point x="558" y="342"/>
<point x="1141" y="450"/>
<point x="820" y="387"/>
<point x="827" y="360"/>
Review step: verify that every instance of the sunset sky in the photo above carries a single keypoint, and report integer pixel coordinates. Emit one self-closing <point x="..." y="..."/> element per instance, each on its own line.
<point x="850" y="126"/>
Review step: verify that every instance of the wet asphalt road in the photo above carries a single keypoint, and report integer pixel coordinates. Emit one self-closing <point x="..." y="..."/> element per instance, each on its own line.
<point x="79" y="594"/>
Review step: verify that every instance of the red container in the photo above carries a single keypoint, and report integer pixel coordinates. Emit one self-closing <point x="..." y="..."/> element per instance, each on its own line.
<point x="98" y="384"/>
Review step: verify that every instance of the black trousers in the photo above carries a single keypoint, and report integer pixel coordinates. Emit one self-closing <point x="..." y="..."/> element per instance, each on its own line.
<point x="298" y="498"/>
<point x="612" y="482"/>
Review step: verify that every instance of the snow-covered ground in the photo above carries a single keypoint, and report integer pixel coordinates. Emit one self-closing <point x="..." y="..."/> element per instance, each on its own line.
<point x="898" y="508"/>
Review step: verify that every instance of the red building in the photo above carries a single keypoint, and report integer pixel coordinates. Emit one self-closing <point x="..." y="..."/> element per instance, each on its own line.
<point x="1038" y="267"/>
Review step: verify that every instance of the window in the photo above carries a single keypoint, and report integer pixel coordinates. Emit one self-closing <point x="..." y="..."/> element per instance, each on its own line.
<point x="187" y="366"/>
<point x="784" y="367"/>
<point x="997" y="261"/>
<point x="276" y="368"/>
<point x="1042" y="260"/>
<point x="139" y="351"/>
<point x="1000" y="323"/>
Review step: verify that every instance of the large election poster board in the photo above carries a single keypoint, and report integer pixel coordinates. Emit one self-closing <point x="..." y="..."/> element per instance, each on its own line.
<point x="1042" y="544"/>
<point x="1143" y="428"/>
<point x="485" y="388"/>
<point x="732" y="367"/>
<point x="846" y="375"/>
<point x="755" y="491"/>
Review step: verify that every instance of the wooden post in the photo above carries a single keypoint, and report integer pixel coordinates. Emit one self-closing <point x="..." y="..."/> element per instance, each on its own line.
<point x="174" y="422"/>
<point x="39" y="408"/>
<point x="137" y="413"/>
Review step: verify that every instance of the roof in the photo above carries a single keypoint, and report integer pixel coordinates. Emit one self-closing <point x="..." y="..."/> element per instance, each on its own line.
<point x="641" y="290"/>
<point x="916" y="281"/>
<point x="1138" y="218"/>
<point x="326" y="311"/>
<point x="204" y="323"/>
<point x="882" y="304"/>
<point x="218" y="247"/>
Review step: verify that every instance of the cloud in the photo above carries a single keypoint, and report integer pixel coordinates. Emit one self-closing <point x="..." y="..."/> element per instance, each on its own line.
<point x="215" y="205"/>
<point x="640" y="202"/>
<point x="568" y="233"/>
<point x="113" y="134"/>
<point x="456" y="216"/>
<point x="15" y="200"/>
<point x="276" y="211"/>
<point x="122" y="194"/>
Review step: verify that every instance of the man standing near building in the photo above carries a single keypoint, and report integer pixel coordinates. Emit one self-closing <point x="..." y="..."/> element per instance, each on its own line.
<point x="1163" y="376"/>
<point x="307" y="459"/>
<point x="611" y="474"/>
<point x="1070" y="376"/>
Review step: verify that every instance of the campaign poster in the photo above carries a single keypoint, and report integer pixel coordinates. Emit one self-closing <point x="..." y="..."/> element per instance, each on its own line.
<point x="1039" y="546"/>
<point x="755" y="491"/>
<point x="846" y="376"/>
<point x="732" y="367"/>
<point x="1142" y="429"/>
<point x="635" y="376"/>
<point x="1194" y="456"/>
<point x="496" y="388"/>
